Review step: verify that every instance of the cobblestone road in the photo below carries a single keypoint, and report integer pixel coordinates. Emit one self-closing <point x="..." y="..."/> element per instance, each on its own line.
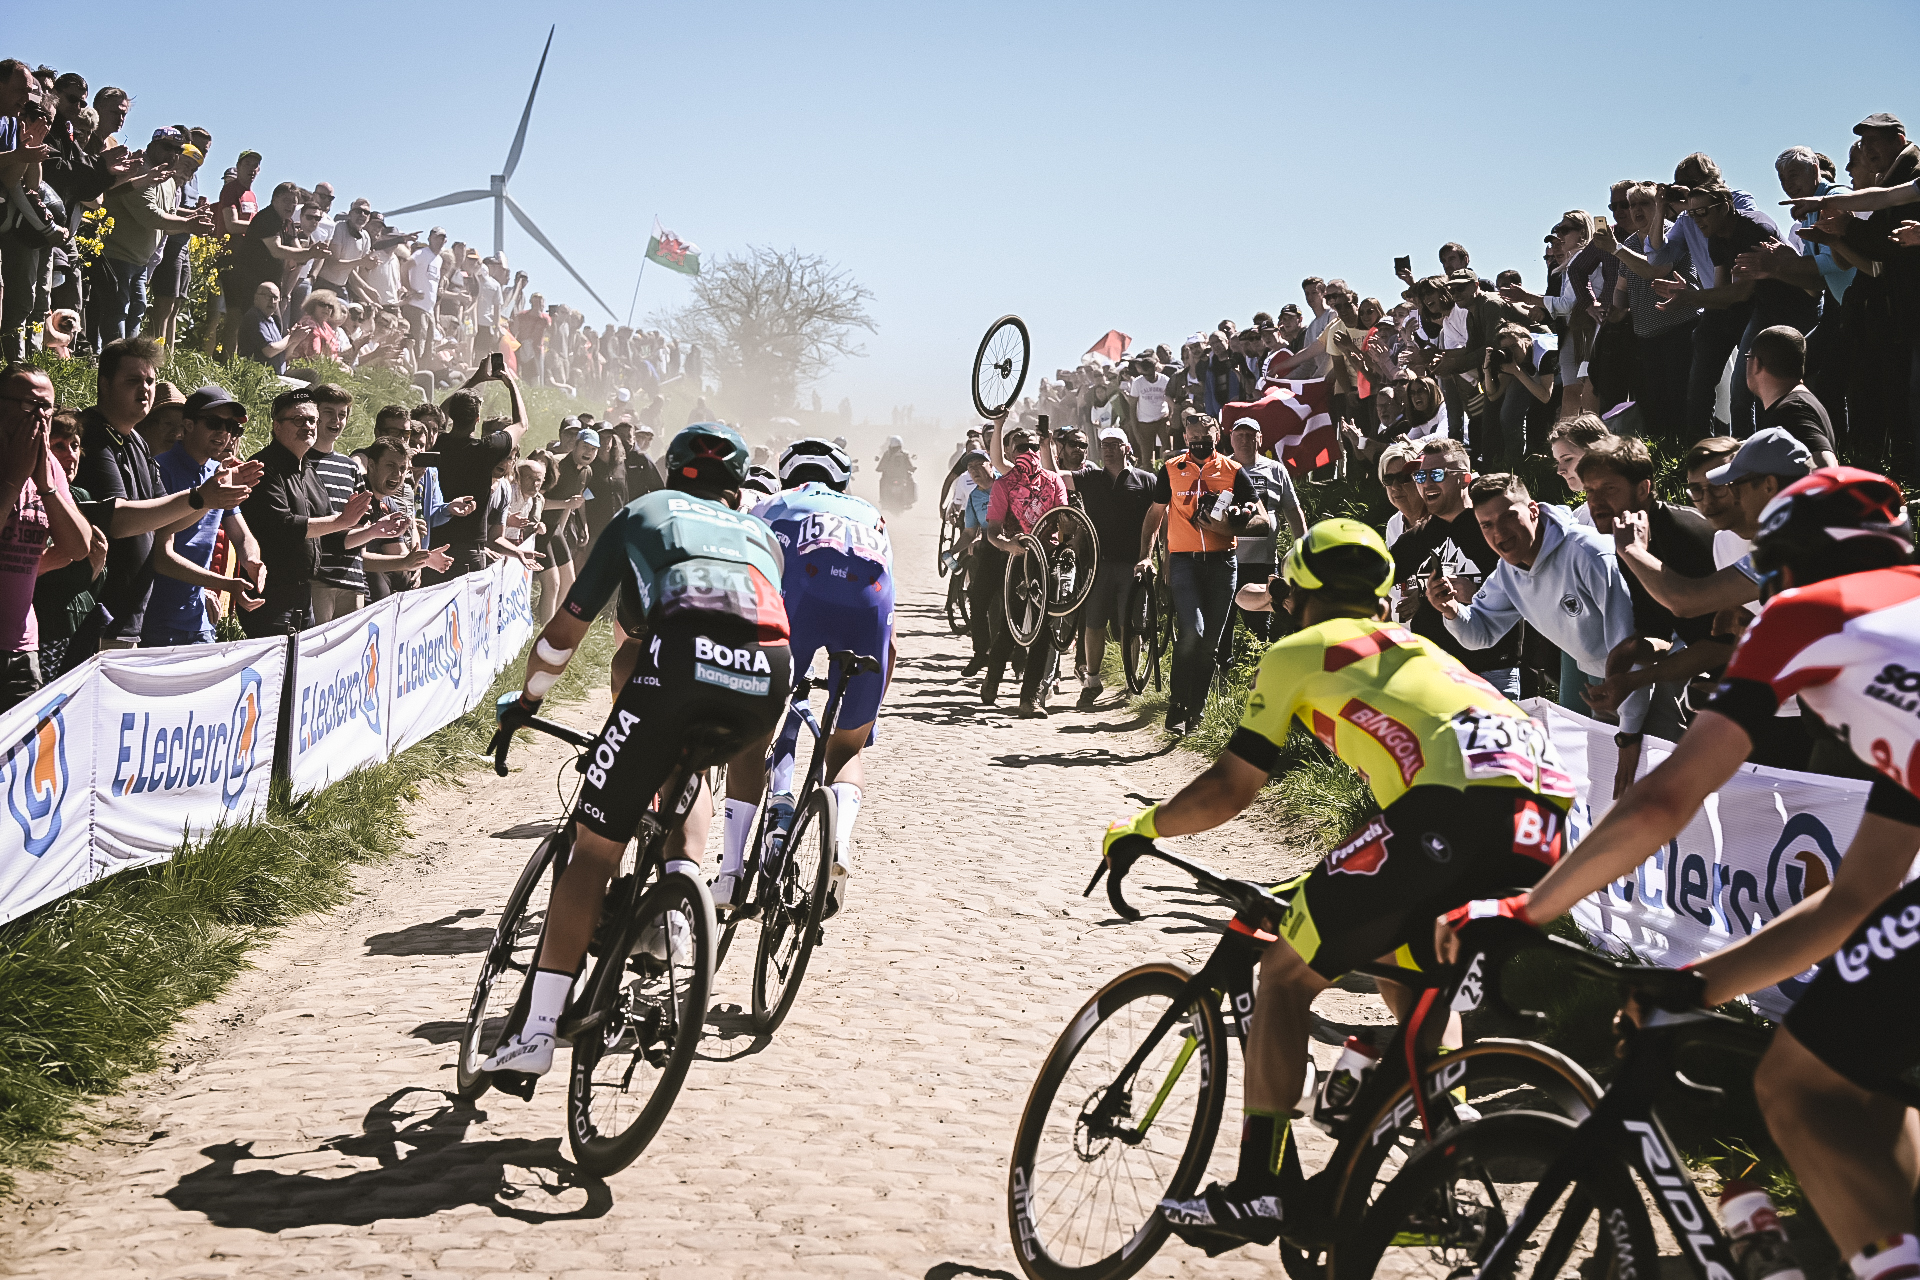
<point x="304" y="1129"/>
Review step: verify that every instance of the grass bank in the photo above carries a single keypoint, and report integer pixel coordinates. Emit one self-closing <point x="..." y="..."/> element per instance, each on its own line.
<point x="96" y="981"/>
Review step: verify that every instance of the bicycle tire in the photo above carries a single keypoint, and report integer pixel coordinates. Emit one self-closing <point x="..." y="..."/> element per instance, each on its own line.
<point x="1495" y="1075"/>
<point x="1072" y="547"/>
<point x="1419" y="1229"/>
<point x="790" y="928"/>
<point x="514" y="948"/>
<point x="1001" y="380"/>
<point x="632" y="1032"/>
<point x="1024" y="591"/>
<point x="1139" y="1231"/>
<point x="1138" y="627"/>
<point x="947" y="539"/>
<point x="957" y="618"/>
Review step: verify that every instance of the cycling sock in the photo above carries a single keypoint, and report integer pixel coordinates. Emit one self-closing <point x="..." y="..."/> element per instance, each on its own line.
<point x="740" y="815"/>
<point x="1263" y="1145"/>
<point x="1895" y="1258"/>
<point x="549" y="998"/>
<point x="848" y="797"/>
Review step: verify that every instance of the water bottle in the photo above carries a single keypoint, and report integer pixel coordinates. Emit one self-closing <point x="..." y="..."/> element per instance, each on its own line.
<point x="1759" y="1242"/>
<point x="1343" y="1082"/>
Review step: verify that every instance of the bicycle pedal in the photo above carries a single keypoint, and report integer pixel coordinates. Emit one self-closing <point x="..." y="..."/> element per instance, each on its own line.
<point x="518" y="1084"/>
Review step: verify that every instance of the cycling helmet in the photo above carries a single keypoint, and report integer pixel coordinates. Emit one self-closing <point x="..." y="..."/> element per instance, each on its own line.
<point x="815" y="459"/>
<point x="1838" y="520"/>
<point x="1340" y="555"/>
<point x="761" y="480"/>
<point x="709" y="454"/>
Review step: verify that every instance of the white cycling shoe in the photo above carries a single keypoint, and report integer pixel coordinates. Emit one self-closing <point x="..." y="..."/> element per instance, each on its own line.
<point x="528" y="1055"/>
<point x="724" y="886"/>
<point x="678" y="939"/>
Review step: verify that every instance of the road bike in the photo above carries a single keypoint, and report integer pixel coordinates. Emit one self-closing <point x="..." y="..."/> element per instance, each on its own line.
<point x="1128" y="1103"/>
<point x="1146" y="629"/>
<point x="1527" y="1194"/>
<point x="635" y="1013"/>
<point x="788" y="867"/>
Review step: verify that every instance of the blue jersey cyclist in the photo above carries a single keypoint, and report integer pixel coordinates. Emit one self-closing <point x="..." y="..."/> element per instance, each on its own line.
<point x="698" y="583"/>
<point x="838" y="584"/>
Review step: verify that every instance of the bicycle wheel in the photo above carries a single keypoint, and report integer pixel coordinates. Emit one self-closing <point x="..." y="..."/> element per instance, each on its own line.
<point x="1090" y="1167"/>
<point x="790" y="929"/>
<point x="641" y="1025"/>
<point x="1139" y="628"/>
<point x="1000" y="366"/>
<point x="1073" y="554"/>
<point x="957" y="600"/>
<point x="1023" y="592"/>
<point x="1453" y="1202"/>
<point x="515" y="947"/>
<point x="1492" y="1076"/>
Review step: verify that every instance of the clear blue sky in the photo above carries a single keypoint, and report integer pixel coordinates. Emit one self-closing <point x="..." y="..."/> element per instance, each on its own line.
<point x="1150" y="168"/>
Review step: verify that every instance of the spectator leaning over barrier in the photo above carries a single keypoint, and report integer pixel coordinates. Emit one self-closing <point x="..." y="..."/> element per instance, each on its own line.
<point x="1776" y="363"/>
<point x="115" y="463"/>
<point x="1618" y="474"/>
<point x="1563" y="580"/>
<point x="66" y="601"/>
<point x="340" y="584"/>
<point x="1206" y="502"/>
<point x="1256" y="555"/>
<point x="1116" y="496"/>
<point x="186" y="589"/>
<point x="390" y="564"/>
<point x="43" y="524"/>
<point x="468" y="463"/>
<point x="289" y="512"/>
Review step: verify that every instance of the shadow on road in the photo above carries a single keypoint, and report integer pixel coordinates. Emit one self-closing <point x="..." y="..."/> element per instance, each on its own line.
<point x="439" y="1032"/>
<point x="527" y="831"/>
<point x="425" y="1167"/>
<point x="1077" y="759"/>
<point x="728" y="1023"/>
<point x="439" y="937"/>
<point x="954" y="1270"/>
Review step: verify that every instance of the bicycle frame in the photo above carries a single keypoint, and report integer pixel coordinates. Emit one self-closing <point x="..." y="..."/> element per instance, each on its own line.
<point x="844" y="664"/>
<point x="1623" y="1127"/>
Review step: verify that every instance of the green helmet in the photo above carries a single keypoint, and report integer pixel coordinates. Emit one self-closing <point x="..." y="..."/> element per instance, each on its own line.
<point x="711" y="454"/>
<point x="1341" y="555"/>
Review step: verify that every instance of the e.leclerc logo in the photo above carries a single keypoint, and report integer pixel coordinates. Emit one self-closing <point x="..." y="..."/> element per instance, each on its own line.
<point x="513" y="605"/>
<point x="433" y="655"/>
<point x="346" y="697"/>
<point x="174" y="754"/>
<point x="37" y="775"/>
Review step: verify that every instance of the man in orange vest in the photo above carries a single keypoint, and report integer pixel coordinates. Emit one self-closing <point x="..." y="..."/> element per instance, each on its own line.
<point x="1206" y="502"/>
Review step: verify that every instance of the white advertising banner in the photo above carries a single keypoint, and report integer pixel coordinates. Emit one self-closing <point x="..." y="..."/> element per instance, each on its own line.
<point x="430" y="662"/>
<point x="342" y="695"/>
<point x="482" y="658"/>
<point x="183" y="739"/>
<point x="512" y="611"/>
<point x="1758" y="846"/>
<point x="46" y="843"/>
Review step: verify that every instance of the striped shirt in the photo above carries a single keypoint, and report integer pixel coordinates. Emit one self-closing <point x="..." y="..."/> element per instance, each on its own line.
<point x="339" y="567"/>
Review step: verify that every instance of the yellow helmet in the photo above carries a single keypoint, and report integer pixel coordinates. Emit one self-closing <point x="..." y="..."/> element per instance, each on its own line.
<point x="1341" y="555"/>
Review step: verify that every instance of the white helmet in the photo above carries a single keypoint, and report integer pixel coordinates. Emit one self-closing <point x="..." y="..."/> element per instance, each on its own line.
<point x="815" y="459"/>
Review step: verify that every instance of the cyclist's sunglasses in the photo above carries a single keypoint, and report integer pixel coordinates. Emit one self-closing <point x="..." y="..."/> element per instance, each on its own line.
<point x="1434" y="476"/>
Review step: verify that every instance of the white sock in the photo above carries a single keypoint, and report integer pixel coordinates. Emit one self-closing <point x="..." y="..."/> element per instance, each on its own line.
<point x="1896" y="1256"/>
<point x="740" y="815"/>
<point x="848" y="796"/>
<point x="550" y="990"/>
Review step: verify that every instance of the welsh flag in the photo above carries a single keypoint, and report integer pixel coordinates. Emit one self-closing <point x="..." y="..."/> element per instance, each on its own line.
<point x="1295" y="421"/>
<point x="673" y="253"/>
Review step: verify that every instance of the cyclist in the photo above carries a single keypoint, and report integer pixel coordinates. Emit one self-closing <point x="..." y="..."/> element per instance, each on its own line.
<point x="1470" y="794"/>
<point x="702" y="580"/>
<point x="1839" y="630"/>
<point x="839" y="595"/>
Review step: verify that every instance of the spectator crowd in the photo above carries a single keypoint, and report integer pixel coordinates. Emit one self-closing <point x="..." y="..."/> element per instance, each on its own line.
<point x="1694" y="330"/>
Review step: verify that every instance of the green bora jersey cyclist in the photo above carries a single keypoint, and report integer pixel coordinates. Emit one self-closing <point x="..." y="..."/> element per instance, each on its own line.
<point x="1841" y="631"/>
<point x="699" y="587"/>
<point x="1471" y="795"/>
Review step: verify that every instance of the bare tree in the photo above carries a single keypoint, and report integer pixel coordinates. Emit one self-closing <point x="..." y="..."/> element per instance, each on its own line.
<point x="771" y="322"/>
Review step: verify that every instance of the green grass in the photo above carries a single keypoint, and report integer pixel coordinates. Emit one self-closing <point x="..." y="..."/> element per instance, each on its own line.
<point x="95" y="981"/>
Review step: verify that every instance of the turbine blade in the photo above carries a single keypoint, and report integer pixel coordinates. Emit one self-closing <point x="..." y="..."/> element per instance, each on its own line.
<point x="526" y="225"/>
<point x="520" y="138"/>
<point x="458" y="197"/>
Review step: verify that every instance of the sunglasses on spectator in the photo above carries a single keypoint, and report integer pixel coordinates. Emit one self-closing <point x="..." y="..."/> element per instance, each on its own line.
<point x="1435" y="475"/>
<point x="1699" y="491"/>
<point x="223" y="425"/>
<point x="1394" y="479"/>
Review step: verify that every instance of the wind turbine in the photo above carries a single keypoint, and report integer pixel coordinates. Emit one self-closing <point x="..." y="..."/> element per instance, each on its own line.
<point x="502" y="202"/>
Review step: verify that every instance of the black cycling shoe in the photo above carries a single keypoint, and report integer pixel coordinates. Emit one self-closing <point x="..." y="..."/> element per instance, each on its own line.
<point x="1227" y="1216"/>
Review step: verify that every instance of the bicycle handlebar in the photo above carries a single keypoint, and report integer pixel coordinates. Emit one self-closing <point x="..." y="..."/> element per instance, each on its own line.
<point x="503" y="738"/>
<point x="1243" y="894"/>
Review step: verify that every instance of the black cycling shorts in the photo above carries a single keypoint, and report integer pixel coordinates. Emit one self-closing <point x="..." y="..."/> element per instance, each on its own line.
<point x="1433" y="849"/>
<point x="1861" y="1015"/>
<point x="689" y="675"/>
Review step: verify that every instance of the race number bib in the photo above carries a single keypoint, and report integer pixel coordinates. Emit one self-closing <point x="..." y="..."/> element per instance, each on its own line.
<point x="1496" y="746"/>
<point x="827" y="531"/>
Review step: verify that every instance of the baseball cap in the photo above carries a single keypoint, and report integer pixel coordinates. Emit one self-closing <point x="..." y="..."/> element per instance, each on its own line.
<point x="1772" y="452"/>
<point x="212" y="397"/>
<point x="1465" y="275"/>
<point x="1113" y="433"/>
<point x="1248" y="423"/>
<point x="589" y="436"/>
<point x="623" y="395"/>
<point x="1880" y="120"/>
